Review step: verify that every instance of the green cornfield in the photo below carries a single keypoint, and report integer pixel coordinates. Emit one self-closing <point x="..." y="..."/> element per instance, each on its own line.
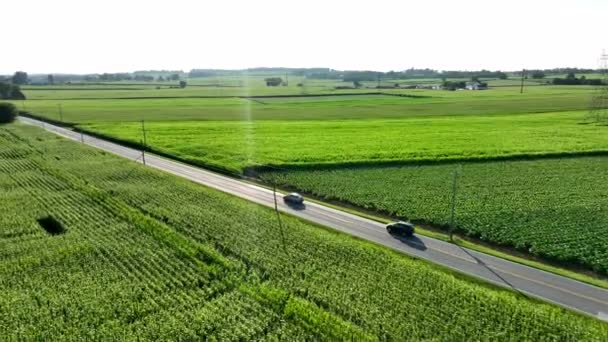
<point x="552" y="208"/>
<point x="146" y="256"/>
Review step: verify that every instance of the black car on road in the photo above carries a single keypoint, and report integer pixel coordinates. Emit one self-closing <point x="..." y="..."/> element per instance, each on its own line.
<point x="293" y="198"/>
<point x="400" y="228"/>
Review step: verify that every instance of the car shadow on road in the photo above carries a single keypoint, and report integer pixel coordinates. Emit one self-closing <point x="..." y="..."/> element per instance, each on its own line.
<point x="295" y="206"/>
<point x="412" y="241"/>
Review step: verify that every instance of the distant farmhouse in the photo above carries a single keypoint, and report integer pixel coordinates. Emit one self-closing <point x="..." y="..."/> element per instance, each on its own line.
<point x="429" y="86"/>
<point x="475" y="85"/>
<point x="455" y="85"/>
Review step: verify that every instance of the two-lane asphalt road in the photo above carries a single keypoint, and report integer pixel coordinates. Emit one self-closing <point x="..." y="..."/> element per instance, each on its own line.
<point x="566" y="292"/>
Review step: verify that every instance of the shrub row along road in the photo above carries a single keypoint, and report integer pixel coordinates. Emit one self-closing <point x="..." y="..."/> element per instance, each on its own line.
<point x="528" y="281"/>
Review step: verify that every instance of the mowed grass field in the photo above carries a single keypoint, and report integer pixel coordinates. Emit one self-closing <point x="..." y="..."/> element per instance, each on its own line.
<point x="332" y="137"/>
<point x="179" y="261"/>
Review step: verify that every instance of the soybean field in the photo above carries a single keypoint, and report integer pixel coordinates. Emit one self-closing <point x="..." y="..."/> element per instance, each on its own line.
<point x="236" y="145"/>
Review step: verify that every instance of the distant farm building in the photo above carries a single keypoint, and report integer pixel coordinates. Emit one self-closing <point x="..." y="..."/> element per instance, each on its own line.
<point x="428" y="86"/>
<point x="474" y="85"/>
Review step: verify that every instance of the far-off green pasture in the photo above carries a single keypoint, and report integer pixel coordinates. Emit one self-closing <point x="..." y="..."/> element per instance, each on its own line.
<point x="205" y="87"/>
<point x="254" y="85"/>
<point x="496" y="101"/>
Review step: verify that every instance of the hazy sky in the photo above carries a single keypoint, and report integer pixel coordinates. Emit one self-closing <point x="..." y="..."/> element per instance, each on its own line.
<point x="87" y="36"/>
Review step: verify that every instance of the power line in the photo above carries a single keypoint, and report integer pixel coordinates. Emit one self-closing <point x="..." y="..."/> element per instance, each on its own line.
<point x="598" y="111"/>
<point x="276" y="209"/>
<point x="60" y="112"/>
<point x="453" y="204"/>
<point x="143" y="149"/>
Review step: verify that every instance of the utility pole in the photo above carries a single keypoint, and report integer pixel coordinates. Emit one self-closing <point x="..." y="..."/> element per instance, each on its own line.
<point x="276" y="209"/>
<point x="523" y="73"/>
<point x="60" y="112"/>
<point x="453" y="206"/>
<point x="303" y="87"/>
<point x="598" y="111"/>
<point x="143" y="150"/>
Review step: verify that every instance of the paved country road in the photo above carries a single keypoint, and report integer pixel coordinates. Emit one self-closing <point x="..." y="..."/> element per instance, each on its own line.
<point x="528" y="281"/>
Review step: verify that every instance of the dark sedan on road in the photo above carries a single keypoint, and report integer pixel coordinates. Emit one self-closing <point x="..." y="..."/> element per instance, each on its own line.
<point x="400" y="228"/>
<point x="293" y="198"/>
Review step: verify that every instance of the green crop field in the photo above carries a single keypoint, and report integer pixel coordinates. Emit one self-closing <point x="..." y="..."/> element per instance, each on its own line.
<point x="178" y="261"/>
<point x="497" y="101"/>
<point x="223" y="86"/>
<point x="550" y="208"/>
<point x="254" y="86"/>
<point x="235" y="145"/>
<point x="331" y="134"/>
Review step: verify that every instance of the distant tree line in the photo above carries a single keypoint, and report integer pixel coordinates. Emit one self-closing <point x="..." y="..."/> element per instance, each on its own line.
<point x="274" y="81"/>
<point x="560" y="71"/>
<point x="308" y="72"/>
<point x="538" y="74"/>
<point x="357" y="75"/>
<point x="471" y="74"/>
<point x="139" y="76"/>
<point x="20" y="77"/>
<point x="213" y="72"/>
<point x="10" y="91"/>
<point x="106" y="77"/>
<point x="145" y="78"/>
<point x="571" y="79"/>
<point x="361" y="76"/>
<point x="157" y="73"/>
